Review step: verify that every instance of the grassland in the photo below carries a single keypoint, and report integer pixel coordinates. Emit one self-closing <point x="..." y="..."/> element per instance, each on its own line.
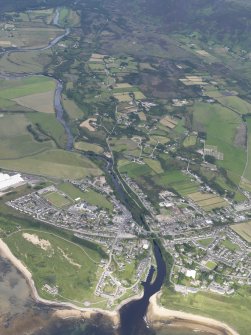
<point x="247" y="172"/>
<point x="206" y="242"/>
<point x="57" y="199"/>
<point x="215" y="306"/>
<point x="54" y="163"/>
<point x="29" y="34"/>
<point x="89" y="195"/>
<point x="244" y="230"/>
<point x="230" y="245"/>
<point x="211" y="265"/>
<point x="18" y="89"/>
<point x="154" y="165"/>
<point x="59" y="263"/>
<point x="178" y="181"/>
<point x="86" y="146"/>
<point x="190" y="140"/>
<point x="72" y="110"/>
<point x="16" y="141"/>
<point x="233" y="102"/>
<point x="50" y="126"/>
<point x="28" y="62"/>
<point x="39" y="102"/>
<point x="221" y="125"/>
<point x="207" y="201"/>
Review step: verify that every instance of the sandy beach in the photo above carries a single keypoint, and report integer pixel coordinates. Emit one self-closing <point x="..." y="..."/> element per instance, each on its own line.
<point x="71" y="310"/>
<point x="157" y="314"/>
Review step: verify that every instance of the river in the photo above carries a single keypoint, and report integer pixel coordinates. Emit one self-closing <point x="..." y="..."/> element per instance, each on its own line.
<point x="19" y="314"/>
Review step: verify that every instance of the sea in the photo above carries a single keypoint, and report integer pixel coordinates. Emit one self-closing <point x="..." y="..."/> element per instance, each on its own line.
<point x="20" y="315"/>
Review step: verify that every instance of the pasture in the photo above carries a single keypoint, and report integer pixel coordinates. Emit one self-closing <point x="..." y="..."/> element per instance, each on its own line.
<point x="31" y="37"/>
<point x="29" y="93"/>
<point x="53" y="163"/>
<point x="247" y="172"/>
<point x="86" y="146"/>
<point x="221" y="126"/>
<point x="207" y="201"/>
<point x="243" y="229"/>
<point x="39" y="102"/>
<point x="15" y="139"/>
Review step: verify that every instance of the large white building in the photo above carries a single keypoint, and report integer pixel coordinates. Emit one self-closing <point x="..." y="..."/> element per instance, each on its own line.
<point x="7" y="181"/>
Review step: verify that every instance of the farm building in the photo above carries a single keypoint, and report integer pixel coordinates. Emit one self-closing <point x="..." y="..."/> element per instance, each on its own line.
<point x="7" y="181"/>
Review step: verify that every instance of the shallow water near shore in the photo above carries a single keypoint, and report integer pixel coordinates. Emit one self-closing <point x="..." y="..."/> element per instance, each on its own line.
<point x="20" y="315"/>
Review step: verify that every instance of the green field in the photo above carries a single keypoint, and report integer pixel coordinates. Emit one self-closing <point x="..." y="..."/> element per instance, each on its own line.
<point x="16" y="141"/>
<point x="86" y="146"/>
<point x="50" y="126"/>
<point x="54" y="163"/>
<point x="247" y="172"/>
<point x="230" y="245"/>
<point x="211" y="265"/>
<point x="233" y="310"/>
<point x="154" y="165"/>
<point x="90" y="196"/>
<point x="178" y="181"/>
<point x="190" y="140"/>
<point x="11" y="89"/>
<point x="135" y="170"/>
<point x="28" y="62"/>
<point x="206" y="242"/>
<point x="72" y="110"/>
<point x="244" y="230"/>
<point x="57" y="199"/>
<point x="57" y="262"/>
<point x="221" y="125"/>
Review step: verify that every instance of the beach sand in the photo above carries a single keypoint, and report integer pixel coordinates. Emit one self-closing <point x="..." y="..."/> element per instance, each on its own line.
<point x="157" y="315"/>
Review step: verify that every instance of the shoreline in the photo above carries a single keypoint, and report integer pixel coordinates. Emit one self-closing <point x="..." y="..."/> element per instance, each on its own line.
<point x="157" y="314"/>
<point x="72" y="310"/>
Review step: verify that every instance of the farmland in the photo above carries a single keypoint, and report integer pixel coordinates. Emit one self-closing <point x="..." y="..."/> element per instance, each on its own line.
<point x="16" y="141"/>
<point x="207" y="201"/>
<point x="86" y="146"/>
<point x="244" y="230"/>
<point x="221" y="125"/>
<point x="53" y="163"/>
<point x="27" y="94"/>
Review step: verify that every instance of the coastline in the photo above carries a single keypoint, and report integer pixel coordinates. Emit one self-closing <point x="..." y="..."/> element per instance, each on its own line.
<point x="158" y="315"/>
<point x="71" y="311"/>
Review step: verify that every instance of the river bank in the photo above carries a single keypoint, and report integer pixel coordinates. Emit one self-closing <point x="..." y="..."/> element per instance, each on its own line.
<point x="158" y="316"/>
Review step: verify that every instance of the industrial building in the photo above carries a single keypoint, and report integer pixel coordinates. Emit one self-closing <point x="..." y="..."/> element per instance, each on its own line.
<point x="7" y="181"/>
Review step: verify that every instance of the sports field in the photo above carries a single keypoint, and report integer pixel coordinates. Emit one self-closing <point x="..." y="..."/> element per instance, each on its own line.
<point x="57" y="199"/>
